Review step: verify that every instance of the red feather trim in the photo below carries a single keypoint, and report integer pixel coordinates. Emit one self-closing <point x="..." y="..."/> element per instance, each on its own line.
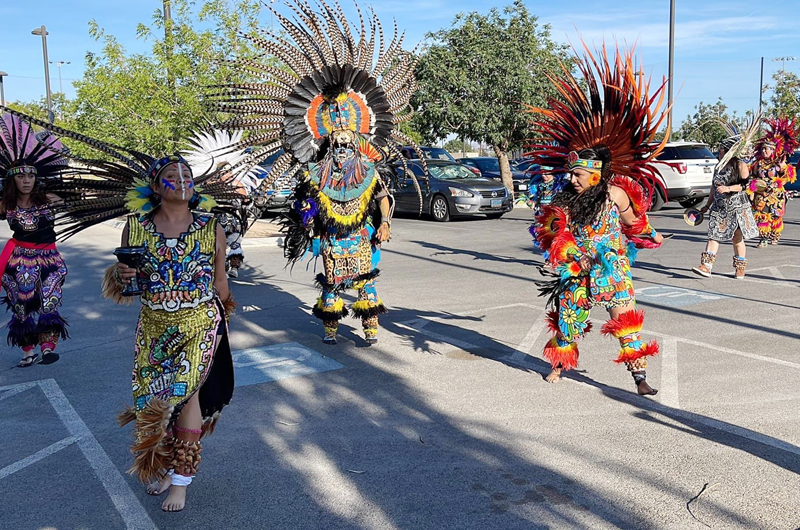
<point x="625" y="324"/>
<point x="635" y="192"/>
<point x="549" y="223"/>
<point x="563" y="245"/>
<point x="638" y="227"/>
<point x="566" y="356"/>
<point x="629" y="355"/>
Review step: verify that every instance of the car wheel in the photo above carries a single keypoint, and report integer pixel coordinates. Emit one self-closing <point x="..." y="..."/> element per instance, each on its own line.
<point x="658" y="201"/>
<point x="494" y="215"/>
<point x="440" y="209"/>
<point x="689" y="203"/>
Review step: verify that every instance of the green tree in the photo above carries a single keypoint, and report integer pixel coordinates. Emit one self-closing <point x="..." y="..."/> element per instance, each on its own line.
<point x="457" y="146"/>
<point x="785" y="98"/>
<point x="476" y="77"/>
<point x="707" y="125"/>
<point x="150" y="102"/>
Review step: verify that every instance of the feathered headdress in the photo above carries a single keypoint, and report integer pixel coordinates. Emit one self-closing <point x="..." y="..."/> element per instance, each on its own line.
<point x="781" y="135"/>
<point x="739" y="144"/>
<point x="210" y="152"/>
<point x="97" y="189"/>
<point x="617" y="111"/>
<point x="331" y="77"/>
<point x="23" y="151"/>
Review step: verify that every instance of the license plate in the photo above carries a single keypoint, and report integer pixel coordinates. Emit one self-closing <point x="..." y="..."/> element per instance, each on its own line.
<point x="523" y="187"/>
<point x="707" y="169"/>
<point x="497" y="203"/>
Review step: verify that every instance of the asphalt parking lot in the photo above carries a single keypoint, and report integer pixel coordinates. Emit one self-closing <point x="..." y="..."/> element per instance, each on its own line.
<point x="446" y="422"/>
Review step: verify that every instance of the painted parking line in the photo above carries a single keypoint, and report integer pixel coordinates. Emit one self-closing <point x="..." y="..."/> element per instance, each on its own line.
<point x="280" y="361"/>
<point x="133" y="515"/>
<point x="677" y="296"/>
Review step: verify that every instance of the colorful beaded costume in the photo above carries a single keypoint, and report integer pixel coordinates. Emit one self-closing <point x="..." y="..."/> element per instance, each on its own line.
<point x="32" y="268"/>
<point x="770" y="175"/>
<point x="333" y="108"/>
<point x="591" y="261"/>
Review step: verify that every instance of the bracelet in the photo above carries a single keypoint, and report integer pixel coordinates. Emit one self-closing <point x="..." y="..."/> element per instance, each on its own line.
<point x="117" y="278"/>
<point x="387" y="223"/>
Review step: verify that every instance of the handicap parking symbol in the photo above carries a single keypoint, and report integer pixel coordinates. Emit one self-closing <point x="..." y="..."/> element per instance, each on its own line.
<point x="676" y="296"/>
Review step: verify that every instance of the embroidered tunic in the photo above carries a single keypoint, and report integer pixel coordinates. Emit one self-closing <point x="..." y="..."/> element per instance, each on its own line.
<point x="181" y="320"/>
<point x="33" y="277"/>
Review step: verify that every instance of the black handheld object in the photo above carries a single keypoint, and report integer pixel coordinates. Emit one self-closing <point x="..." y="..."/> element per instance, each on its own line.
<point x="132" y="257"/>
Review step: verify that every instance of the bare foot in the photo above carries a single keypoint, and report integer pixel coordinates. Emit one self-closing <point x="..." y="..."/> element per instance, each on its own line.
<point x="646" y="390"/>
<point x="554" y="376"/>
<point x="176" y="499"/>
<point x="157" y="488"/>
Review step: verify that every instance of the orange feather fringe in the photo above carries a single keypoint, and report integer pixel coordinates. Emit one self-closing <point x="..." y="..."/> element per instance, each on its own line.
<point x="566" y="356"/>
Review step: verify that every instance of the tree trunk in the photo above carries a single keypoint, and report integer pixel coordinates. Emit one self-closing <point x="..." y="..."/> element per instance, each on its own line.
<point x="505" y="169"/>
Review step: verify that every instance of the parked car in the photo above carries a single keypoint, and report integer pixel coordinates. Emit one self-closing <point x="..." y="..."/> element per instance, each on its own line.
<point x="490" y="168"/>
<point x="685" y="171"/>
<point x="451" y="190"/>
<point x="794" y="160"/>
<point x="431" y="153"/>
<point x="280" y="192"/>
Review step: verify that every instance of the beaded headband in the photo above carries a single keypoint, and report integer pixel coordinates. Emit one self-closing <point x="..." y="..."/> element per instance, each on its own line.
<point x="590" y="165"/>
<point x="156" y="167"/>
<point x="21" y="170"/>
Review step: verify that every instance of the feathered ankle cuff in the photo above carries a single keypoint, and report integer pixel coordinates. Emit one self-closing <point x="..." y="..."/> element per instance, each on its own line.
<point x="561" y="353"/>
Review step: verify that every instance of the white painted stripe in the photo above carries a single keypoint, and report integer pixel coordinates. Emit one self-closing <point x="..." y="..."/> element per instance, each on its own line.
<point x="13" y="390"/>
<point x="38" y="455"/>
<point x="524" y="348"/>
<point x="727" y="350"/>
<point x="443" y="338"/>
<point x="776" y="273"/>
<point x="133" y="514"/>
<point x="668" y="392"/>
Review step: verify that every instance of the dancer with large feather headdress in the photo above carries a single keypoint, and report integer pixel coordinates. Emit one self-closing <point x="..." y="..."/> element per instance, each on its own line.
<point x="333" y="106"/>
<point x="32" y="268"/>
<point x="731" y="218"/>
<point x="771" y="173"/>
<point x="182" y="369"/>
<point x="605" y="138"/>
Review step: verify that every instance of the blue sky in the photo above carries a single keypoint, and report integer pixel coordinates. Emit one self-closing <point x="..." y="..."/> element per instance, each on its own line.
<point x="719" y="44"/>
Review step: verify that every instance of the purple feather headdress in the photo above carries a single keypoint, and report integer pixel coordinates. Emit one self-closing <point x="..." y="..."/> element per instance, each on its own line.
<point x="24" y="151"/>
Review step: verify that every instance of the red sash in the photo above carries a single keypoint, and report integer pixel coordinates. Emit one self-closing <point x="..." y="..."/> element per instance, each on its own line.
<point x="12" y="244"/>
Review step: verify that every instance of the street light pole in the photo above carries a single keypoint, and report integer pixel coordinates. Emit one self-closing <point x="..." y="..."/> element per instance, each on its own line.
<point x="43" y="32"/>
<point x="2" y="91"/>
<point x="60" y="85"/>
<point x="761" y="88"/>
<point x="671" y="61"/>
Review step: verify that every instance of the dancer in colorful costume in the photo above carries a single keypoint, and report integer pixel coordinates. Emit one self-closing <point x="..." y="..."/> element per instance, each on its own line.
<point x="33" y="270"/>
<point x="770" y="174"/>
<point x="333" y="108"/>
<point x="210" y="153"/>
<point x="182" y="369"/>
<point x="605" y="140"/>
<point x="543" y="187"/>
<point x="731" y="217"/>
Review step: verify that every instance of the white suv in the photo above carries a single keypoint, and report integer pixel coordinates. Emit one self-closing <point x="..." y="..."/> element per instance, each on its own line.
<point x="685" y="170"/>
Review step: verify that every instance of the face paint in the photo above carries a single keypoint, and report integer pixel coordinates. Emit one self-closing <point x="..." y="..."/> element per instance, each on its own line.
<point x="182" y="181"/>
<point x="167" y="184"/>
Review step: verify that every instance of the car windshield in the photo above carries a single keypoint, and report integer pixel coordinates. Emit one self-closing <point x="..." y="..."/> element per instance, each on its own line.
<point x="686" y="152"/>
<point x="450" y="172"/>
<point x="436" y="153"/>
<point x="522" y="165"/>
<point x="487" y="164"/>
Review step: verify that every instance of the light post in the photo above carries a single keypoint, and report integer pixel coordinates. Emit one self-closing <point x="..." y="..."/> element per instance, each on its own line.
<point x="60" y="85"/>
<point x="43" y="32"/>
<point x="783" y="62"/>
<point x="671" y="60"/>
<point x="2" y="92"/>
